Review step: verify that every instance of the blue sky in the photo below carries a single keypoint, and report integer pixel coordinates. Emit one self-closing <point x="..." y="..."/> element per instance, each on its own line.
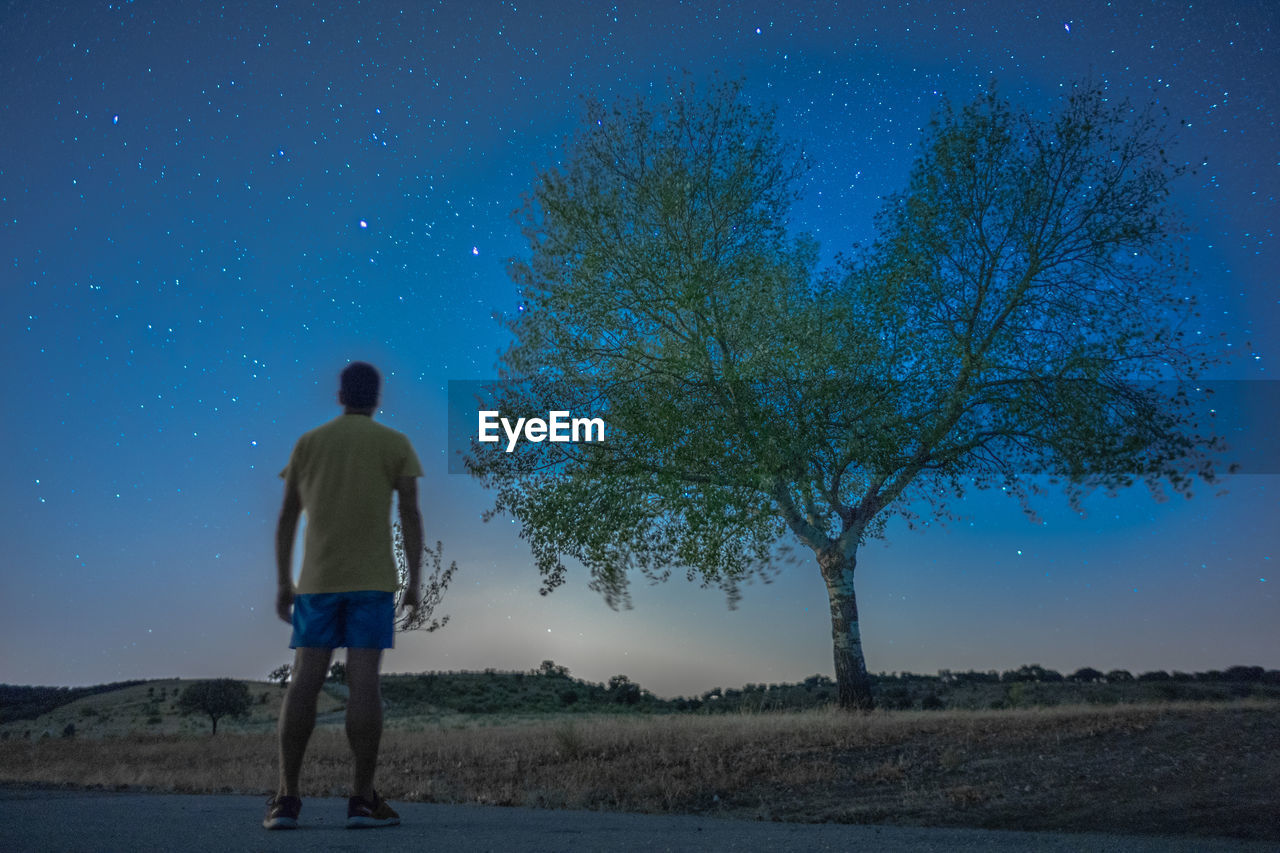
<point x="207" y="209"/>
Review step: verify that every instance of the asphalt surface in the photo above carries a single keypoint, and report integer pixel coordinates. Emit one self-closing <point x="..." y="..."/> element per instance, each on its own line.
<point x="38" y="820"/>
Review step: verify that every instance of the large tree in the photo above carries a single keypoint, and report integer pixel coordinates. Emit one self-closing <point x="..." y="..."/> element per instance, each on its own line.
<point x="996" y="329"/>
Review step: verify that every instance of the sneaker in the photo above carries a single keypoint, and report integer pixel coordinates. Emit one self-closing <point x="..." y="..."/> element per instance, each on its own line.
<point x="282" y="813"/>
<point x="362" y="814"/>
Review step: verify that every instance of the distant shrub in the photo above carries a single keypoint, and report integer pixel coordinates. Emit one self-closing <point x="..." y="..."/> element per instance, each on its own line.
<point x="69" y="730"/>
<point x="1034" y="672"/>
<point x="280" y="675"/>
<point x="1244" y="673"/>
<point x="896" y="699"/>
<point x="623" y="690"/>
<point x="549" y="669"/>
<point x="1086" y="675"/>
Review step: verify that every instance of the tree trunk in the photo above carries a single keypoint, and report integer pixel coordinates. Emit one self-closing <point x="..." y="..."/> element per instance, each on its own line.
<point x="853" y="685"/>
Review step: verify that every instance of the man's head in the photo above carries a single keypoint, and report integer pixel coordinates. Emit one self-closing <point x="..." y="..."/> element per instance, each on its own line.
<point x="360" y="386"/>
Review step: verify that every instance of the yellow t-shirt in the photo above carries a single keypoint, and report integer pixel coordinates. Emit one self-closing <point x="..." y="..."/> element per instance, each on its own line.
<point x="345" y="471"/>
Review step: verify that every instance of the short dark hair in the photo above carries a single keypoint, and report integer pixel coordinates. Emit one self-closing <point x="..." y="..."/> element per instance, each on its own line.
<point x="360" y="385"/>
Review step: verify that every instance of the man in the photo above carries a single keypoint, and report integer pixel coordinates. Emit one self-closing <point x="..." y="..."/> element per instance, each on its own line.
<point x="343" y="474"/>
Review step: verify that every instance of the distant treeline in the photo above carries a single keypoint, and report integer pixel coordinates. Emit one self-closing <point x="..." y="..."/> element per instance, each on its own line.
<point x="27" y="703"/>
<point x="551" y="689"/>
<point x="1088" y="675"/>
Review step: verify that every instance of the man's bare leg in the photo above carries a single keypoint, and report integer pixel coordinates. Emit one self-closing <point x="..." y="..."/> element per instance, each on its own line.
<point x="364" y="717"/>
<point x="298" y="713"/>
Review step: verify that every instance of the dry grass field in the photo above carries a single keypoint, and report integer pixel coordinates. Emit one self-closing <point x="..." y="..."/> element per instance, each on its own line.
<point x="1195" y="769"/>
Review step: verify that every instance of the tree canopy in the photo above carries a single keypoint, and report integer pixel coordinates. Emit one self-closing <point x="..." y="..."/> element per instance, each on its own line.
<point x="217" y="698"/>
<point x="1009" y="320"/>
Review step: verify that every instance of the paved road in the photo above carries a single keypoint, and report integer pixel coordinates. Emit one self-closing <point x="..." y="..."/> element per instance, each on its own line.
<point x="33" y="820"/>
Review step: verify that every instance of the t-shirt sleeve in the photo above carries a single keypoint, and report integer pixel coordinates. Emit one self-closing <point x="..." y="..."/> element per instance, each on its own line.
<point x="290" y="470"/>
<point x="410" y="466"/>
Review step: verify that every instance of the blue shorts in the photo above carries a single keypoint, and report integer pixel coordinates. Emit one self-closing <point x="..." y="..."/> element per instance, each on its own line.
<point x="364" y="619"/>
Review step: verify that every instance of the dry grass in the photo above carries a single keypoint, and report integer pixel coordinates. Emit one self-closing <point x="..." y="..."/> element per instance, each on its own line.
<point x="1187" y="769"/>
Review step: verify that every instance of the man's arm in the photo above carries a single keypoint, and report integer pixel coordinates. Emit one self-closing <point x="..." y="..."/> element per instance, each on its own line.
<point x="411" y="529"/>
<point x="286" y="531"/>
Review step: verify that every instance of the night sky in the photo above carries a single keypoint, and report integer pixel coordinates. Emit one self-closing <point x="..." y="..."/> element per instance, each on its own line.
<point x="207" y="209"/>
